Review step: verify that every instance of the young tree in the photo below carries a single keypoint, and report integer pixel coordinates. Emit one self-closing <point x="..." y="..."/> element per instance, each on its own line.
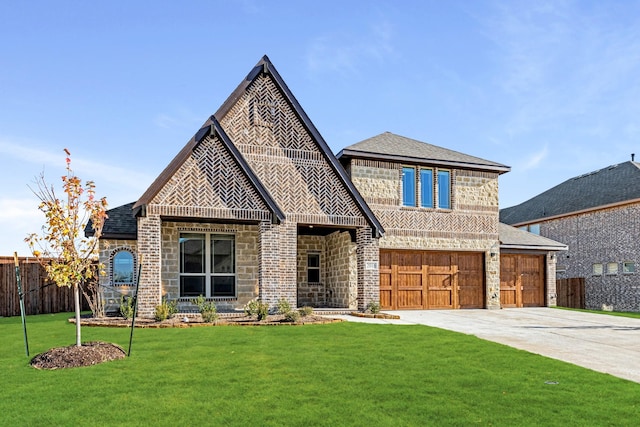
<point x="67" y="255"/>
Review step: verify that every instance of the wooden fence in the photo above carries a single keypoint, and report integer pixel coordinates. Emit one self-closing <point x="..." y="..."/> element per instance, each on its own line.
<point x="570" y="292"/>
<point x="40" y="296"/>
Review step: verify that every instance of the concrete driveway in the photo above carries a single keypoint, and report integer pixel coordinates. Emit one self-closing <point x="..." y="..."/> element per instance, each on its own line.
<point x="603" y="343"/>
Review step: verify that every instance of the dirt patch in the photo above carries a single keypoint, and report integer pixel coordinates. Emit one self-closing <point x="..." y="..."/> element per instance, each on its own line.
<point x="88" y="354"/>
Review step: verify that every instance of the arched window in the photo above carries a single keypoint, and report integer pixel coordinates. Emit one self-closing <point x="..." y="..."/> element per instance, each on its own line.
<point x="122" y="267"/>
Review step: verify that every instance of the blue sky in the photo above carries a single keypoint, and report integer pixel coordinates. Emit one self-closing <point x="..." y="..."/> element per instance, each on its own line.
<point x="551" y="89"/>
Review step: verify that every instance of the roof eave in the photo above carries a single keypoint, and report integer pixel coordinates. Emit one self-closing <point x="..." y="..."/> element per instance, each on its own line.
<point x="500" y="169"/>
<point x="534" y="247"/>
<point x="578" y="212"/>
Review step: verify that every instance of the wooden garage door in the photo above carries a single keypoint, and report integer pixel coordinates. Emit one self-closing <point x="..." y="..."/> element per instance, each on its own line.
<point x="522" y="280"/>
<point x="431" y="280"/>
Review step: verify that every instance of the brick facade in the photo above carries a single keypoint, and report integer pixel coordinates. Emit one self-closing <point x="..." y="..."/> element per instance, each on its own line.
<point x="600" y="237"/>
<point x="470" y="225"/>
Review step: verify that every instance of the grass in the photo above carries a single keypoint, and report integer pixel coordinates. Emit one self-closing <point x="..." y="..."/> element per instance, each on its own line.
<point x="632" y="314"/>
<point x="345" y="374"/>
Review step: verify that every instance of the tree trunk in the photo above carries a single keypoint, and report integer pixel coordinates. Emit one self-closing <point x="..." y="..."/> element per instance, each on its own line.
<point x="76" y="300"/>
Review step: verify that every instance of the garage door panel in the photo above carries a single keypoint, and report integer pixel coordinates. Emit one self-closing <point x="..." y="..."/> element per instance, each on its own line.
<point x="470" y="280"/>
<point x="522" y="280"/>
<point x="410" y="299"/>
<point x="424" y="279"/>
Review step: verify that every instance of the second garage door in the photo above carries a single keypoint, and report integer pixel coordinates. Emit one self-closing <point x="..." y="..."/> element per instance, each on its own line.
<point x="431" y="280"/>
<point x="521" y="280"/>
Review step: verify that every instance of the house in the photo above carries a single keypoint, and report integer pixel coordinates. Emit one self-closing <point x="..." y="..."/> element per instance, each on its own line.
<point x="442" y="242"/>
<point x="597" y="215"/>
<point x="257" y="206"/>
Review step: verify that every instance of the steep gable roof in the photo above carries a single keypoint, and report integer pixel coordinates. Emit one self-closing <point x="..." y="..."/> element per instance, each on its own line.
<point x="257" y="176"/>
<point x="389" y="146"/>
<point x="608" y="186"/>
<point x="210" y="128"/>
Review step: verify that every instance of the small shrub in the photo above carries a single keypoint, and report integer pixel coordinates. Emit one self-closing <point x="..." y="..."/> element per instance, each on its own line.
<point x="283" y="306"/>
<point x="165" y="310"/>
<point x="373" y="308"/>
<point x="207" y="309"/>
<point x="127" y="306"/>
<point x="292" y="316"/>
<point x="257" y="308"/>
<point x="306" y="311"/>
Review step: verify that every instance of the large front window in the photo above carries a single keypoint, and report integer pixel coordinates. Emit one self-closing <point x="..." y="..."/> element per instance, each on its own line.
<point x="207" y="265"/>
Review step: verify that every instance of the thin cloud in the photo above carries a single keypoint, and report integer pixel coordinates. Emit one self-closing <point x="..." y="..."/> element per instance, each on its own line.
<point x="182" y="118"/>
<point x="560" y="62"/>
<point x="535" y="159"/>
<point x="346" y="52"/>
<point x="97" y="171"/>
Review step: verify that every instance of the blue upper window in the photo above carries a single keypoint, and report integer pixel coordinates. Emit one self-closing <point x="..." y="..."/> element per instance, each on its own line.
<point x="444" y="189"/>
<point x="426" y="188"/>
<point x="408" y="186"/>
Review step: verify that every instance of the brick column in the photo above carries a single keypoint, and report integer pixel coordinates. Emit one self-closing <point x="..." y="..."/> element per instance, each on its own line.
<point x="149" y="292"/>
<point x="550" y="276"/>
<point x="367" y="255"/>
<point x="278" y="263"/>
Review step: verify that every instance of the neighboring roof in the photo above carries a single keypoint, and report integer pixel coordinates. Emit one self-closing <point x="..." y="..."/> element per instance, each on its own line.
<point x="263" y="66"/>
<point x="608" y="186"/>
<point x="389" y="146"/>
<point x="120" y="224"/>
<point x="513" y="238"/>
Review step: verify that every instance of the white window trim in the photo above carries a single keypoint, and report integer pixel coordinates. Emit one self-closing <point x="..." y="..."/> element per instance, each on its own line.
<point x="612" y="273"/>
<point x="624" y="263"/>
<point x="593" y="269"/>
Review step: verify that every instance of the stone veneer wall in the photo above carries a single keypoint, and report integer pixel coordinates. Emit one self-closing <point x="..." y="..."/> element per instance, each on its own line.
<point x="338" y="271"/>
<point x="246" y="243"/>
<point x="603" y="236"/>
<point x="342" y="271"/>
<point x="470" y="225"/>
<point x="111" y="293"/>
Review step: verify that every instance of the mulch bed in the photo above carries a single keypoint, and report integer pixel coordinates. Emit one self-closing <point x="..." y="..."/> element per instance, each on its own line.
<point x="88" y="354"/>
<point x="196" y="321"/>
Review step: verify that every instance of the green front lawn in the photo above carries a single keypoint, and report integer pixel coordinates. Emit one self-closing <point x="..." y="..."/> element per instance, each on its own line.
<point x="336" y="375"/>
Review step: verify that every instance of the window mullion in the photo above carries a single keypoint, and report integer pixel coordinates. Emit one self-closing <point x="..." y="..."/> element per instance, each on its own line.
<point x="207" y="264"/>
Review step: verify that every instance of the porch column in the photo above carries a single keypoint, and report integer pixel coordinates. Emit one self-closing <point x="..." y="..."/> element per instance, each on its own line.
<point x="492" y="279"/>
<point x="367" y="255"/>
<point x="550" y="277"/>
<point x="149" y="292"/>
<point x="277" y="263"/>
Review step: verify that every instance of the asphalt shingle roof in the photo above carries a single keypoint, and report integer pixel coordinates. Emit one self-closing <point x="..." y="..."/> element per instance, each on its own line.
<point x="389" y="146"/>
<point x="511" y="237"/>
<point x="613" y="184"/>
<point x="121" y="224"/>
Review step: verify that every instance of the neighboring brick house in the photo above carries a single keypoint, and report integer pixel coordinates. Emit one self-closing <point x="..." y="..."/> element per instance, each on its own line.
<point x="598" y="216"/>
<point x="257" y="206"/>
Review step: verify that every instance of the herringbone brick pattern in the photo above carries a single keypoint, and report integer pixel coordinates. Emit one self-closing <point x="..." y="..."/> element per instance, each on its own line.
<point x="285" y="158"/>
<point x="210" y="184"/>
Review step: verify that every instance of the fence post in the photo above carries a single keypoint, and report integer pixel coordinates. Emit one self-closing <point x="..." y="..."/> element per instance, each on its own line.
<point x="21" y="296"/>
